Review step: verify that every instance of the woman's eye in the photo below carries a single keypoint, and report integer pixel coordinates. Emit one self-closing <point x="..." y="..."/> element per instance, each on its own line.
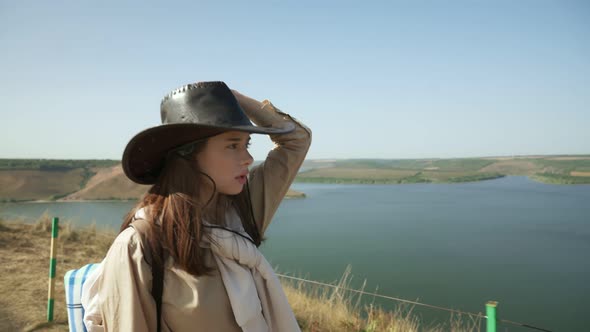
<point x="237" y="146"/>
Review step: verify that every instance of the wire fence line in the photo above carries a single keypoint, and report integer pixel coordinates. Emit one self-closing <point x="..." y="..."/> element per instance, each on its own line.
<point x="477" y="315"/>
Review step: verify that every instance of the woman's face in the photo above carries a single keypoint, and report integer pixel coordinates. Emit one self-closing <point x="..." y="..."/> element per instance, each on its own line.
<point x="226" y="159"/>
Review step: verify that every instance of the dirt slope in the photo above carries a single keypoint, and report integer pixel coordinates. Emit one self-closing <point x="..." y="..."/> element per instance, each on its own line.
<point x="37" y="184"/>
<point x="109" y="183"/>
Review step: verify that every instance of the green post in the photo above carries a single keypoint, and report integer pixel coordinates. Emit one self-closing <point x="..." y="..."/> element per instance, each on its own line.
<point x="491" y="314"/>
<point x="52" y="268"/>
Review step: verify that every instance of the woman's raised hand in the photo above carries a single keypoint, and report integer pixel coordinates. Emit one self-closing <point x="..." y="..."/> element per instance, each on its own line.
<point x="246" y="102"/>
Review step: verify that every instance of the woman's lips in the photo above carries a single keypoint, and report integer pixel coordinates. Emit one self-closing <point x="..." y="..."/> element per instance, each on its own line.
<point x="241" y="179"/>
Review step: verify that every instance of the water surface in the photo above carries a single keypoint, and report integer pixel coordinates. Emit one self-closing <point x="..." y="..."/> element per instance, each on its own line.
<point x="519" y="242"/>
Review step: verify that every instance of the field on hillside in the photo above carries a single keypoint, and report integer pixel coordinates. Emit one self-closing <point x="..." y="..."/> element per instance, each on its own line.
<point x="22" y="180"/>
<point x="109" y="183"/>
<point x="55" y="164"/>
<point x="356" y="173"/>
<point x="549" y="169"/>
<point x="47" y="179"/>
<point x="23" y="185"/>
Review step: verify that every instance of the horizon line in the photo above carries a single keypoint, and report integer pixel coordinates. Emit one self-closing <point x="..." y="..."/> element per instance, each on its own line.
<point x="360" y="158"/>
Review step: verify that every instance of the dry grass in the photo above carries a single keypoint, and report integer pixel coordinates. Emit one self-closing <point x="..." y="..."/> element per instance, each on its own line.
<point x="109" y="183"/>
<point x="36" y="184"/>
<point x="580" y="173"/>
<point x="570" y="158"/>
<point x="320" y="308"/>
<point x="513" y="167"/>
<point x="24" y="255"/>
<point x="365" y="173"/>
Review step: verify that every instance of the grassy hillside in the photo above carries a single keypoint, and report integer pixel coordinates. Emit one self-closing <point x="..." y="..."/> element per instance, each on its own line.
<point x="512" y="167"/>
<point x="549" y="169"/>
<point x="23" y="185"/>
<point x="109" y="183"/>
<point x="89" y="183"/>
<point x="353" y="174"/>
<point x="390" y="176"/>
<point x="22" y="180"/>
<point x="24" y="257"/>
<point x="55" y="164"/>
<point x="43" y="179"/>
<point x="563" y="164"/>
<point x="464" y="164"/>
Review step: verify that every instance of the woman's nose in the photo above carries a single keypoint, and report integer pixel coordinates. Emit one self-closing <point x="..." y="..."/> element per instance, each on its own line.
<point x="248" y="159"/>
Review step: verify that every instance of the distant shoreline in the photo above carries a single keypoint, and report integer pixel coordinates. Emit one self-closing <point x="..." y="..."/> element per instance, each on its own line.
<point x="79" y="201"/>
<point x="292" y="194"/>
<point x="342" y="181"/>
<point x="536" y="178"/>
<point x="408" y="180"/>
<point x="105" y="181"/>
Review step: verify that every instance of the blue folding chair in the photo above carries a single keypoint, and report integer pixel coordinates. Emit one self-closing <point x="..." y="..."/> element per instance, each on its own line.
<point x="73" y="281"/>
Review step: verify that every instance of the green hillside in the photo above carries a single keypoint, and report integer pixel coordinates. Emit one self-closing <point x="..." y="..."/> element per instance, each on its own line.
<point x="548" y="169"/>
<point x="54" y="164"/>
<point x="41" y="179"/>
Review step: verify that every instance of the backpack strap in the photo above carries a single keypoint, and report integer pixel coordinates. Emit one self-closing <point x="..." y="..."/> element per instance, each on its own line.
<point x="142" y="227"/>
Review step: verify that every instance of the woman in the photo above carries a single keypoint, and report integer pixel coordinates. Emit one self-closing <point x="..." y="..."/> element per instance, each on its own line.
<point x="207" y="212"/>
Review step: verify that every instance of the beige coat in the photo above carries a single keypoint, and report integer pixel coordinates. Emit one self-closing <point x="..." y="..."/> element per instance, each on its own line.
<point x="192" y="303"/>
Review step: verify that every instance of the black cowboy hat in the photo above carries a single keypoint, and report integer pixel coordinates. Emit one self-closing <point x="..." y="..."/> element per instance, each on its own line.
<point x="189" y="113"/>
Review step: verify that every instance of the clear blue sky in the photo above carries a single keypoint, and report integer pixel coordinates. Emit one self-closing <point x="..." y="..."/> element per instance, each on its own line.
<point x="407" y="79"/>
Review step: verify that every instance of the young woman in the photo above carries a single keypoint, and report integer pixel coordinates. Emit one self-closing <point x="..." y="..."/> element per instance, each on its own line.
<point x="207" y="211"/>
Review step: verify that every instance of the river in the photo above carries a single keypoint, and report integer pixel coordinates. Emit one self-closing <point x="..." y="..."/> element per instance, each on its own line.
<point x="519" y="242"/>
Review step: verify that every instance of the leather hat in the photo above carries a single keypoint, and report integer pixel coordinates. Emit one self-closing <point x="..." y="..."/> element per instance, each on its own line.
<point x="189" y="113"/>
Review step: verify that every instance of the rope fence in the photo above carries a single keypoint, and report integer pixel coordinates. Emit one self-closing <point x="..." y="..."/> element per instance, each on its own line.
<point x="490" y="306"/>
<point x="478" y="315"/>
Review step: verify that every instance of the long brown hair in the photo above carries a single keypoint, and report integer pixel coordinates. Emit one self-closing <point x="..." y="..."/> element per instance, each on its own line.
<point x="175" y="206"/>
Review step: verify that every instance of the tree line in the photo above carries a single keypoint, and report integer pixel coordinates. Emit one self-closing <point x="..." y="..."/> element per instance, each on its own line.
<point x="54" y="164"/>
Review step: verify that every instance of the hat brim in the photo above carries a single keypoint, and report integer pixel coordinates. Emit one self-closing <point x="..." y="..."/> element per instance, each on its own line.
<point x="145" y="153"/>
